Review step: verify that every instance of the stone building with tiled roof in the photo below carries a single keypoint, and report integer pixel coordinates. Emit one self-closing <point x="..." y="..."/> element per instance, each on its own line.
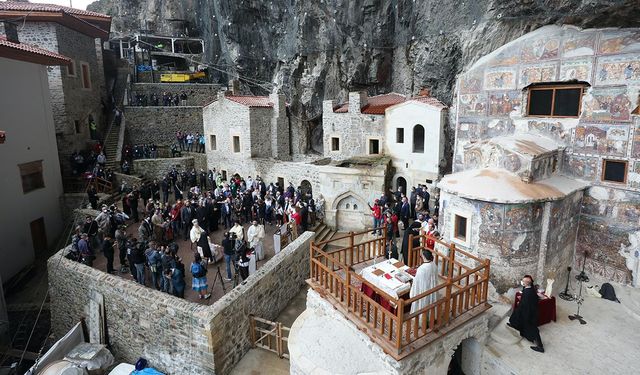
<point x="77" y="90"/>
<point x="408" y="129"/>
<point x="31" y="185"/>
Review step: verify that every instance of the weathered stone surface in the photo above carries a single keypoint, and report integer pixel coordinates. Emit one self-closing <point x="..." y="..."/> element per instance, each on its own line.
<point x="159" y="124"/>
<point x="177" y="336"/>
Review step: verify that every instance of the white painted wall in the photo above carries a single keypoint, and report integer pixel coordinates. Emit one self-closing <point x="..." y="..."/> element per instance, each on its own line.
<point x="415" y="167"/>
<point x="26" y="117"/>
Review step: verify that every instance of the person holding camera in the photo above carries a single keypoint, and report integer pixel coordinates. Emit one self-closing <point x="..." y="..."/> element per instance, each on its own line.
<point x="199" y="273"/>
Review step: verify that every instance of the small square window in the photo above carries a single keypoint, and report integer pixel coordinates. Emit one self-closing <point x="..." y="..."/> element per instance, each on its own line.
<point x="212" y="142"/>
<point x="335" y="144"/>
<point x="374" y="146"/>
<point x="614" y="171"/>
<point x="460" y="228"/>
<point x="236" y="143"/>
<point x="399" y="135"/>
<point x="31" y="174"/>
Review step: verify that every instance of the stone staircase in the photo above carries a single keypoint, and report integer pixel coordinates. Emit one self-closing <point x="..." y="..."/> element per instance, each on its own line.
<point x="113" y="140"/>
<point x="323" y="233"/>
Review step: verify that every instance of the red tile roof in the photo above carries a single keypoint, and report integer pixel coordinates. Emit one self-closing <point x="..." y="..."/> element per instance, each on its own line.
<point x="36" y="7"/>
<point x="251" y="101"/>
<point x="89" y="23"/>
<point x="429" y="100"/>
<point x="376" y="105"/>
<point x="29" y="53"/>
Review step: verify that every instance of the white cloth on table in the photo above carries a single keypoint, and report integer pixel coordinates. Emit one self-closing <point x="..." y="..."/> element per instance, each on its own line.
<point x="392" y="286"/>
<point x="426" y="278"/>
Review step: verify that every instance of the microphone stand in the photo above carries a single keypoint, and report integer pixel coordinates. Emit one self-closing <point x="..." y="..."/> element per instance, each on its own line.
<point x="582" y="277"/>
<point x="566" y="295"/>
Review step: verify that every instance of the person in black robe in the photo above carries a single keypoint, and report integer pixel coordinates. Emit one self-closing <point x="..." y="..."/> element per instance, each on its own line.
<point x="203" y="242"/>
<point x="524" y="318"/>
<point x="414" y="228"/>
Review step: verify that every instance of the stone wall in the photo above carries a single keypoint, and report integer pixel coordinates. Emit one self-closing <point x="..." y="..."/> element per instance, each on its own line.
<point x="198" y="94"/>
<point x="353" y="130"/>
<point x="141" y="322"/>
<point x="533" y="238"/>
<point x="159" y="124"/>
<point x="312" y="353"/>
<point x="158" y="168"/>
<point x="177" y="336"/>
<point x="264" y="295"/>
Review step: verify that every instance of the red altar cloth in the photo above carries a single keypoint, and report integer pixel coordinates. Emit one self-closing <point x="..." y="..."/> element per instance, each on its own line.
<point x="546" y="308"/>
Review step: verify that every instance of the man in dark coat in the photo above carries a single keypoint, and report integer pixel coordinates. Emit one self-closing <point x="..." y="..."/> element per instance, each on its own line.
<point x="186" y="215"/>
<point x="414" y="229"/>
<point x="524" y="318"/>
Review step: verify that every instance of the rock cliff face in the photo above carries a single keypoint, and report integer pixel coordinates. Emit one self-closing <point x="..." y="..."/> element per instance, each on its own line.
<point x="317" y="49"/>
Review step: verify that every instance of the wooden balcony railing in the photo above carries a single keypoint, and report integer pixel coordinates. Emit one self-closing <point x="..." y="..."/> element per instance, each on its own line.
<point x="461" y="292"/>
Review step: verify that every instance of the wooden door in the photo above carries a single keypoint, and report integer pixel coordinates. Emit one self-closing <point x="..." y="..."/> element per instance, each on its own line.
<point x="38" y="235"/>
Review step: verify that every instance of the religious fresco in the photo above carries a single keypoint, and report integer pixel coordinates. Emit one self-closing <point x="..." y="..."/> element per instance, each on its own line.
<point x="503" y="103"/>
<point x="491" y="218"/>
<point x="500" y="79"/>
<point x="507" y="57"/>
<point x="472" y="158"/>
<point x="541" y="49"/>
<point x="602" y="139"/>
<point x="619" y="42"/>
<point x="602" y="242"/>
<point x="553" y="130"/>
<point x="500" y="127"/>
<point x="576" y="70"/>
<point x="471" y="83"/>
<point x="581" y="167"/>
<point x="606" y="105"/>
<point x="616" y="70"/>
<point x="510" y="162"/>
<point x="538" y="73"/>
<point x="472" y="105"/>
<point x="578" y="45"/>
<point x="635" y="150"/>
<point x="521" y="217"/>
<point x="472" y="130"/>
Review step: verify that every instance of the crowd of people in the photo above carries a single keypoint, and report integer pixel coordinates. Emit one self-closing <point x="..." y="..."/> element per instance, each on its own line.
<point x="187" y="141"/>
<point x="190" y="206"/>
<point x="167" y="99"/>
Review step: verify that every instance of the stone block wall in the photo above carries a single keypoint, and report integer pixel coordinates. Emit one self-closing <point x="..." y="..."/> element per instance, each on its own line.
<point x="158" y="168"/>
<point x="177" y="336"/>
<point x="159" y="124"/>
<point x="353" y="130"/>
<point x="264" y="295"/>
<point x="168" y="331"/>
<point x="198" y="94"/>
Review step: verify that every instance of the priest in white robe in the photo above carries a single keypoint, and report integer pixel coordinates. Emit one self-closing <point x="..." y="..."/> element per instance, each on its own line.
<point x="255" y="236"/>
<point x="426" y="278"/>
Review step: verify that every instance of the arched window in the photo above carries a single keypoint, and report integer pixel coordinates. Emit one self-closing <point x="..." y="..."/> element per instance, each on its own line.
<point x="418" y="138"/>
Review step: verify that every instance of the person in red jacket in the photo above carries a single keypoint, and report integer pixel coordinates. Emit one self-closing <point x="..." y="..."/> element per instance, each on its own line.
<point x="377" y="217"/>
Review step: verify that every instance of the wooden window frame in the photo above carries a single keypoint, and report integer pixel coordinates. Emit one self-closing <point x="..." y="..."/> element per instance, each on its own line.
<point x="30" y="168"/>
<point x="398" y="131"/>
<point x="626" y="171"/>
<point x="553" y="98"/>
<point x="455" y="228"/>
<point x="90" y="84"/>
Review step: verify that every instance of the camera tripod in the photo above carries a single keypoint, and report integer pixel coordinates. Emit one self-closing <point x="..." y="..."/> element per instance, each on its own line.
<point x="582" y="278"/>
<point x="215" y="278"/>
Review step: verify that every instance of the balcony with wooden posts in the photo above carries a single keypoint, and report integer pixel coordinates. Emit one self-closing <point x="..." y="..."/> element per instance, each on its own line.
<point x="463" y="282"/>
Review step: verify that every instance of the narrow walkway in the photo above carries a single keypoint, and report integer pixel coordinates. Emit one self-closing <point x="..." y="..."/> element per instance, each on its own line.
<point x="260" y="361"/>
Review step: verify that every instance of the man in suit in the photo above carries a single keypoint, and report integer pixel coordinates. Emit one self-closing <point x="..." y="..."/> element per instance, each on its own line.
<point x="227" y="211"/>
<point x="524" y="318"/>
<point x="186" y="215"/>
<point x="405" y="212"/>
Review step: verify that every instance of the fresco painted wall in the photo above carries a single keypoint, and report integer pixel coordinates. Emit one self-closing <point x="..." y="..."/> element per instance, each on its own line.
<point x="491" y="101"/>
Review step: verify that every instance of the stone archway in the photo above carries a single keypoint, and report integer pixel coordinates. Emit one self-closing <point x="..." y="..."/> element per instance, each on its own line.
<point x="401" y="182"/>
<point x="305" y="187"/>
<point x="351" y="212"/>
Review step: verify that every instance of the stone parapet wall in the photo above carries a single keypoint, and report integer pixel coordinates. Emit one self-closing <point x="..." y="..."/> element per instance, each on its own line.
<point x="177" y="336"/>
<point x="158" y="168"/>
<point x="142" y="322"/>
<point x="159" y="124"/>
<point x="264" y="294"/>
<point x="198" y="94"/>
